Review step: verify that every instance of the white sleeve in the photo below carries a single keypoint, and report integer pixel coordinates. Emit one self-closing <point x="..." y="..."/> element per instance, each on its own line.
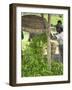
<point x="60" y="36"/>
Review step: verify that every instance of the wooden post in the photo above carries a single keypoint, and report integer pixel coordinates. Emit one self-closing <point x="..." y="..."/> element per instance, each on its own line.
<point x="48" y="42"/>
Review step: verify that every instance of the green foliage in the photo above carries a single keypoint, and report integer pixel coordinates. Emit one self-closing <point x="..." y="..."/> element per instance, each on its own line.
<point x="34" y="63"/>
<point x="57" y="68"/>
<point x="36" y="66"/>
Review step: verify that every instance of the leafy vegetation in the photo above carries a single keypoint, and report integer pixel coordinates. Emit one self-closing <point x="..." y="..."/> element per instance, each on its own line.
<point x="34" y="62"/>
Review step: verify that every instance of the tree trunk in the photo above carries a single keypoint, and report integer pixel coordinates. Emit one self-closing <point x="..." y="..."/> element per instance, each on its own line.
<point x="47" y="27"/>
<point x="48" y="43"/>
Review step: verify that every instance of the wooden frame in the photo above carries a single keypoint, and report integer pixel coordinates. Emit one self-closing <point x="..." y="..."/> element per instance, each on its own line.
<point x="13" y="44"/>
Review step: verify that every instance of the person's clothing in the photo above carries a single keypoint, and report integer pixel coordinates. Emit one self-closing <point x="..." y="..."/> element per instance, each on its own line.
<point x="60" y="41"/>
<point x="60" y="38"/>
<point x="61" y="52"/>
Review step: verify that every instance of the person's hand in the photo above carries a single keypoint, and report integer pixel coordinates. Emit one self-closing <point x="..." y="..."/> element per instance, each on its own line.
<point x="54" y="37"/>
